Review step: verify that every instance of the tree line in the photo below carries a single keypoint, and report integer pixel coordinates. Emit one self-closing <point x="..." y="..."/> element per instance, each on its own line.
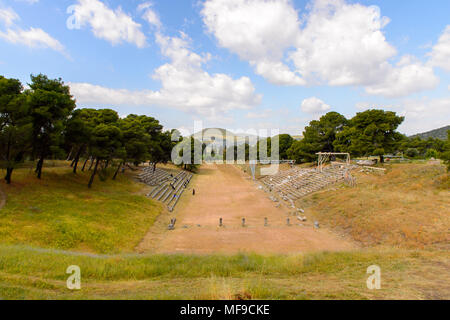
<point x="369" y="133"/>
<point x="41" y="122"/>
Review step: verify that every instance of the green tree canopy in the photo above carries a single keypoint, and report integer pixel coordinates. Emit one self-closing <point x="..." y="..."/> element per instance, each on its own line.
<point x="50" y="104"/>
<point x="446" y="154"/>
<point x="106" y="144"/>
<point x="136" y="139"/>
<point x="15" y="125"/>
<point x="318" y="137"/>
<point x="372" y="132"/>
<point x="188" y="153"/>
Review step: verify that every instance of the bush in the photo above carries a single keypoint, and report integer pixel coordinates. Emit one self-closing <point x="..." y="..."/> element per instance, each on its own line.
<point x="412" y="152"/>
<point x="446" y="157"/>
<point x="431" y="153"/>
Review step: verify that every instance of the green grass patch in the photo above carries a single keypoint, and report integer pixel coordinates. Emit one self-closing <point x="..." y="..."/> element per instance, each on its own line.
<point x="59" y="211"/>
<point x="34" y="273"/>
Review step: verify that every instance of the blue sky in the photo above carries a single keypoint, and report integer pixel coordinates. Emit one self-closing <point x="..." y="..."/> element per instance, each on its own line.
<point x="239" y="64"/>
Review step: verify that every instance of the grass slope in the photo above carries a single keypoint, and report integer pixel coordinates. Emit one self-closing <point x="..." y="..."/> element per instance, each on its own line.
<point x="27" y="273"/>
<point x="61" y="212"/>
<point x="408" y="207"/>
<point x="401" y="216"/>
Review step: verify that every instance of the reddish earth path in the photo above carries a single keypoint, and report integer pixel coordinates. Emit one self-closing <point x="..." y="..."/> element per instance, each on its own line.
<point x="223" y="191"/>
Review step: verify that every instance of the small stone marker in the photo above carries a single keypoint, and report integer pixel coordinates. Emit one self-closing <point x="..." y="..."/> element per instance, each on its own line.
<point x="243" y="222"/>
<point x="316" y="225"/>
<point x="172" y="224"/>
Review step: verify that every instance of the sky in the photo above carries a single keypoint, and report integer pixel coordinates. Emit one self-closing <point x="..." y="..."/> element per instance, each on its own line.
<point x="238" y="64"/>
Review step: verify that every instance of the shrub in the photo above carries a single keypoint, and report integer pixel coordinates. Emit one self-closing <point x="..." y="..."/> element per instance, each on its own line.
<point x="431" y="153"/>
<point x="412" y="152"/>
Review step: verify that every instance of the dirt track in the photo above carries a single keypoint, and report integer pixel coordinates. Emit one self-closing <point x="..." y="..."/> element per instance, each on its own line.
<point x="225" y="191"/>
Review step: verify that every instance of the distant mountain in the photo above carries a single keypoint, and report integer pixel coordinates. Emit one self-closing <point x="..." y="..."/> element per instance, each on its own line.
<point x="298" y="138"/>
<point x="440" y="133"/>
<point x="218" y="135"/>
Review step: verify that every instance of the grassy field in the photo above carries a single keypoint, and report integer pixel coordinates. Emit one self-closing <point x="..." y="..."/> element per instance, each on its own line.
<point x="28" y="273"/>
<point x="407" y="207"/>
<point x="401" y="219"/>
<point x="59" y="211"/>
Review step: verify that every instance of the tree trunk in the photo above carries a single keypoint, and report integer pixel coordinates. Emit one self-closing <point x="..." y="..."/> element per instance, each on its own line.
<point x="77" y="158"/>
<point x="93" y="174"/>
<point x="84" y="165"/>
<point x="40" y="164"/>
<point x="8" y="175"/>
<point x="117" y="171"/>
<point x="381" y="159"/>
<point x="70" y="155"/>
<point x="154" y="167"/>
<point x="107" y="164"/>
<point x="92" y="163"/>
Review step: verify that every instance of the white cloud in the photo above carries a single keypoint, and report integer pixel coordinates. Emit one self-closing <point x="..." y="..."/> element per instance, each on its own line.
<point x="425" y="114"/>
<point x="440" y="55"/>
<point x="149" y="15"/>
<point x="32" y="37"/>
<point x="335" y="43"/>
<point x="363" y="106"/>
<point x="314" y="105"/>
<point x="185" y="86"/>
<point x="264" y="114"/>
<point x="408" y="76"/>
<point x="342" y="44"/>
<point x="114" y="26"/>
<point x="8" y="16"/>
<point x="258" y="31"/>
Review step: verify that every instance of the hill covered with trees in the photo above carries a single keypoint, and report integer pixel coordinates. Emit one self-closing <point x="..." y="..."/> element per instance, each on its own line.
<point x="440" y="133"/>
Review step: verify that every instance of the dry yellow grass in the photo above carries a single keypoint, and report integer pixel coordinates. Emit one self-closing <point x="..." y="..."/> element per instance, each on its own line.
<point x="408" y="207"/>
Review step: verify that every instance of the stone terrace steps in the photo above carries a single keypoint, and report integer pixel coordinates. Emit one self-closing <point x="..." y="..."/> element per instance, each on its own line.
<point x="296" y="183"/>
<point x="168" y="189"/>
<point x="153" y="178"/>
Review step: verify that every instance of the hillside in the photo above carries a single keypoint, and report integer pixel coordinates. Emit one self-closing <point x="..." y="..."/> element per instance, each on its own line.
<point x="399" y="219"/>
<point x="60" y="212"/>
<point x="407" y="207"/>
<point x="218" y="135"/>
<point x="440" y="133"/>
